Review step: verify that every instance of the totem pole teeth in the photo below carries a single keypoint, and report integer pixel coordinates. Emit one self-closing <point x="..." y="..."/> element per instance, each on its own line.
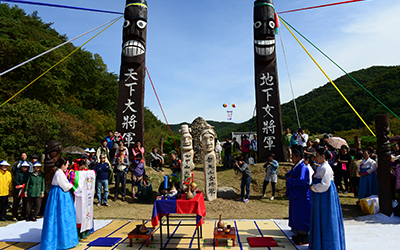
<point x="261" y="48"/>
<point x="133" y="48"/>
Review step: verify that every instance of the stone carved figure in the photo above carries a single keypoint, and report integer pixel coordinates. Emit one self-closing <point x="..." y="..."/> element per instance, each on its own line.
<point x="130" y="111"/>
<point x="209" y="162"/>
<point x="51" y="155"/>
<point x="187" y="152"/>
<point x="269" y="121"/>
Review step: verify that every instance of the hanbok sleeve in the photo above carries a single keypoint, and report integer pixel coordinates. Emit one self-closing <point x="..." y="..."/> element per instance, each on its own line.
<point x="372" y="168"/>
<point x="62" y="181"/>
<point x="325" y="183"/>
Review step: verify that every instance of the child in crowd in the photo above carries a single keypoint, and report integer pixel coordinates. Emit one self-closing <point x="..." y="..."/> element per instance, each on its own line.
<point x="5" y="188"/>
<point x="145" y="190"/>
<point x="246" y="178"/>
<point x="137" y="169"/>
<point x="271" y="175"/>
<point x="92" y="158"/>
<point x="101" y="170"/>
<point x="34" y="192"/>
<point x="20" y="179"/>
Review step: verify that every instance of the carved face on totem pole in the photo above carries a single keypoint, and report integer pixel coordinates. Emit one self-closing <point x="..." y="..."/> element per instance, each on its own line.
<point x="134" y="32"/>
<point x="52" y="153"/>
<point x="186" y="138"/>
<point x="264" y="30"/>
<point x="208" y="138"/>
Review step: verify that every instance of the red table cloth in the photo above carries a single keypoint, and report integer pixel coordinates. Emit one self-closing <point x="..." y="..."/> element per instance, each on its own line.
<point x="180" y="206"/>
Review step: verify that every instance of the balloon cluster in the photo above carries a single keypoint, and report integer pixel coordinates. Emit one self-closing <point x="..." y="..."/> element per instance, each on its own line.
<point x="225" y="105"/>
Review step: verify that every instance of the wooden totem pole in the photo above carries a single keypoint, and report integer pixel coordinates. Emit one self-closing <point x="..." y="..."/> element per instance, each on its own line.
<point x="130" y="112"/>
<point x="384" y="163"/>
<point x="187" y="152"/>
<point x="269" y="120"/>
<point x="209" y="162"/>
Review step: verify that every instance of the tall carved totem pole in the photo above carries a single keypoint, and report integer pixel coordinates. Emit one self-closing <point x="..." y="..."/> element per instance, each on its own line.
<point x="130" y="112"/>
<point x="269" y="120"/>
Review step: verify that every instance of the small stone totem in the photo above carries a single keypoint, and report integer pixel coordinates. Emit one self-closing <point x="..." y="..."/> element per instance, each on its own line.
<point x="209" y="162"/>
<point x="187" y="152"/>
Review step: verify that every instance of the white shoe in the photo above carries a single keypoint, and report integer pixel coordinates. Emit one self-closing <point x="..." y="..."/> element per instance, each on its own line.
<point x="272" y="198"/>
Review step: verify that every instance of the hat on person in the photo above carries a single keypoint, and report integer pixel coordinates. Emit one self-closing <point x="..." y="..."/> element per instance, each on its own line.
<point x="116" y="133"/>
<point x="316" y="140"/>
<point x="122" y="148"/>
<point x="92" y="150"/>
<point x="4" y="163"/>
<point x="36" y="164"/>
<point x="25" y="164"/>
<point x="145" y="176"/>
<point x="87" y="150"/>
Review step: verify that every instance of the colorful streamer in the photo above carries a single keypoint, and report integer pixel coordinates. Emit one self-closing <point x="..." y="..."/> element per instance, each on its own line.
<point x="58" y="63"/>
<point x="62" y="6"/>
<point x="321" y="6"/>
<point x="56" y="47"/>
<point x="334" y="85"/>
<point x="344" y="71"/>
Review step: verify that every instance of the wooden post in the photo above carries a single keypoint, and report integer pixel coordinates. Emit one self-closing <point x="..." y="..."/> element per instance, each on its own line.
<point x="162" y="146"/>
<point x="384" y="159"/>
<point x="357" y="142"/>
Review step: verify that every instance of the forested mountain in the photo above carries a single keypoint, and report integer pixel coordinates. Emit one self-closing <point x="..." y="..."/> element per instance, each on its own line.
<point x="75" y="102"/>
<point x="324" y="110"/>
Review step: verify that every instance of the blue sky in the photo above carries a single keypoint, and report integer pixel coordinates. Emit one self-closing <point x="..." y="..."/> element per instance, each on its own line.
<point x="200" y="53"/>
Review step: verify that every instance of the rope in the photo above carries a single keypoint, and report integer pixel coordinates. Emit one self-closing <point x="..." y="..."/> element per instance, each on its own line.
<point x="59" y="62"/>
<point x="341" y="69"/>
<point x="62" y="6"/>
<point x="290" y="81"/>
<point x="58" y="46"/>
<point x="351" y="106"/>
<point x="252" y="120"/>
<point x="162" y="110"/>
<point x="321" y="6"/>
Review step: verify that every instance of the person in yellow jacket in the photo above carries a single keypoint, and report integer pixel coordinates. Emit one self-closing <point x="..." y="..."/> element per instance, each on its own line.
<point x="5" y="188"/>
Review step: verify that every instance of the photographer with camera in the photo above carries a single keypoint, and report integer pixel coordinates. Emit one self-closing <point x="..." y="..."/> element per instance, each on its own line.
<point x="241" y="166"/>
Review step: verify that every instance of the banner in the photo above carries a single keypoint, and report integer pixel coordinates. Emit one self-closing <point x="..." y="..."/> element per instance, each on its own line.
<point x="84" y="195"/>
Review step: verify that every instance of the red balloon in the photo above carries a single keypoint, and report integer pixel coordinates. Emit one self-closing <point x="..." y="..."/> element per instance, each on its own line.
<point x="233" y="105"/>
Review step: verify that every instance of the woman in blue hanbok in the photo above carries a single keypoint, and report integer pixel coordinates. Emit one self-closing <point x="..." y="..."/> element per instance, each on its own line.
<point x="326" y="224"/>
<point x="59" y="222"/>
<point x="368" y="180"/>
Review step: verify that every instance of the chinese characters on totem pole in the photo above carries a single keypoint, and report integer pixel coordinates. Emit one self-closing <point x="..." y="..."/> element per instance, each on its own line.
<point x="187" y="152"/>
<point x="209" y="162"/>
<point x="269" y="121"/>
<point x="130" y="116"/>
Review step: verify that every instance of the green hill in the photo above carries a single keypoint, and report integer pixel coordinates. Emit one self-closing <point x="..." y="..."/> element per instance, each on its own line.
<point x="75" y="102"/>
<point x="324" y="110"/>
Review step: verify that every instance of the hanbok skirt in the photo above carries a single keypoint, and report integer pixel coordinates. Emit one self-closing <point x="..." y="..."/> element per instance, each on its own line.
<point x="368" y="185"/>
<point x="59" y="222"/>
<point x="326" y="224"/>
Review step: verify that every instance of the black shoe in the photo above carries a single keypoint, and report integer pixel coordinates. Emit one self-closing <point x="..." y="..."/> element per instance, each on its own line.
<point x="301" y="239"/>
<point x="123" y="198"/>
<point x="115" y="198"/>
<point x="162" y="170"/>
<point x="3" y="219"/>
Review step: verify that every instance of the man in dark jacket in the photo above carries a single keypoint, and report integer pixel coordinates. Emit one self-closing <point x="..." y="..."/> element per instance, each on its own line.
<point x="246" y="178"/>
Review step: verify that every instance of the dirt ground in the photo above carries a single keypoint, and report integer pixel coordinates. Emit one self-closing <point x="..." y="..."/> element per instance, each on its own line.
<point x="229" y="208"/>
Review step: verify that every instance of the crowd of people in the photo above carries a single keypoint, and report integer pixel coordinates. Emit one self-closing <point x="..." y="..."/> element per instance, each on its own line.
<point x="319" y="173"/>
